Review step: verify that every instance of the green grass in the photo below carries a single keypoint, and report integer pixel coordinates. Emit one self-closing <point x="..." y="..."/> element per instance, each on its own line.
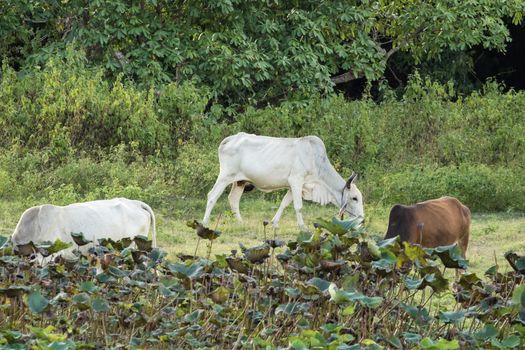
<point x="492" y="234"/>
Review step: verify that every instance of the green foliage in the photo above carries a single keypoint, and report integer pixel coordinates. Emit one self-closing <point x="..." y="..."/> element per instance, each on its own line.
<point x="107" y="297"/>
<point x="121" y="172"/>
<point x="250" y="52"/>
<point x="196" y="168"/>
<point x="67" y="135"/>
<point x="480" y="187"/>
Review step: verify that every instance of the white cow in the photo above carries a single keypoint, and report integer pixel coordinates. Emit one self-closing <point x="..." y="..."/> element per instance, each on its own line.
<point x="271" y="163"/>
<point x="114" y="218"/>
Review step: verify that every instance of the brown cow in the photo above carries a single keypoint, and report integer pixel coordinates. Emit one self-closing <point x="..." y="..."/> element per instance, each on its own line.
<point x="432" y="223"/>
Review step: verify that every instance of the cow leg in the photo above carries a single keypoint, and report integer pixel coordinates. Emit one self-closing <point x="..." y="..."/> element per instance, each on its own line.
<point x="287" y="199"/>
<point x="213" y="196"/>
<point x="235" y="197"/>
<point x="463" y="244"/>
<point x="297" y="194"/>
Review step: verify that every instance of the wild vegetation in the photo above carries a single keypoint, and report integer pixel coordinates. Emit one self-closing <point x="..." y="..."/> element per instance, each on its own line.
<point x="256" y="52"/>
<point x="100" y="99"/>
<point x="332" y="288"/>
<point x="87" y="138"/>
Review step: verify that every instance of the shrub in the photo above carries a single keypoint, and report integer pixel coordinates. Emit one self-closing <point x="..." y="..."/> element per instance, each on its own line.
<point x="478" y="186"/>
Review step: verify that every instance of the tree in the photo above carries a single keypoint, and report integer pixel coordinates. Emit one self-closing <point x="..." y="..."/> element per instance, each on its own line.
<point x="253" y="51"/>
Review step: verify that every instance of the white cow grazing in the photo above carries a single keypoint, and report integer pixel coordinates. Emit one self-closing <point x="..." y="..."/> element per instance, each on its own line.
<point x="271" y="163"/>
<point x="114" y="218"/>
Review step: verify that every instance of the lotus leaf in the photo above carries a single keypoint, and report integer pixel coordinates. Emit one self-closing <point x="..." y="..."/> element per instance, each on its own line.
<point x="26" y="249"/>
<point x="194" y="316"/>
<point x="274" y="243"/>
<point x="82" y="301"/>
<point x="88" y="287"/>
<point x="139" y="256"/>
<point x="488" y="332"/>
<point x="238" y="264"/>
<point x="390" y="244"/>
<point x="48" y="248"/>
<point x="105" y="278"/>
<point x="191" y="271"/>
<point x="508" y="343"/>
<point x="336" y="226"/>
<point x="468" y="280"/>
<point x="143" y="243"/>
<point x="331" y="266"/>
<point x="79" y="238"/>
<point x="395" y="342"/>
<point x="202" y="231"/>
<point x="36" y="302"/>
<point x="343" y="297"/>
<point x="100" y="305"/>
<point x="321" y="284"/>
<point x="452" y="316"/>
<point x="256" y="255"/>
<point x="441" y="344"/>
<point x="220" y="295"/>
<point x="450" y="256"/>
<point x="292" y="308"/>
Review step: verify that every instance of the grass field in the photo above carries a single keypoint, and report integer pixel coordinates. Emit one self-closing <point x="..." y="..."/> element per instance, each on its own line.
<point x="492" y="234"/>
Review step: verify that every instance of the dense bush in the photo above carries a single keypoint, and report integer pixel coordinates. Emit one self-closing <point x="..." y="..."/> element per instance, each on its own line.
<point x="28" y="176"/>
<point x="478" y="186"/>
<point x="62" y="126"/>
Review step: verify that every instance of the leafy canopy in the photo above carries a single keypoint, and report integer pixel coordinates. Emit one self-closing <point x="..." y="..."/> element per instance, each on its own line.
<point x="251" y="51"/>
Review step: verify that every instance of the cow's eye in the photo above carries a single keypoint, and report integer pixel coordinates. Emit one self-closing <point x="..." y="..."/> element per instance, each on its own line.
<point x="354" y="198"/>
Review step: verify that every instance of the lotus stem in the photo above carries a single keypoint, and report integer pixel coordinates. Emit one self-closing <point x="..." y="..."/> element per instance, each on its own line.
<point x="196" y="248"/>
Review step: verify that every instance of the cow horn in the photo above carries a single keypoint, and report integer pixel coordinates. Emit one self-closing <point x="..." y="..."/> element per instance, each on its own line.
<point x="350" y="180"/>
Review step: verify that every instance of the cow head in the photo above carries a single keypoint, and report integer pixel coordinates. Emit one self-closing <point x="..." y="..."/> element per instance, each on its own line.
<point x="352" y="199"/>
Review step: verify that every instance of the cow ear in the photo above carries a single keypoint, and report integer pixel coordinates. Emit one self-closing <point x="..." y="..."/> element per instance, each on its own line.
<point x="351" y="179"/>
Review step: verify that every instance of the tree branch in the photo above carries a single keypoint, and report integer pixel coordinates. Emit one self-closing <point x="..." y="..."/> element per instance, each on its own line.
<point x="349" y="76"/>
<point x="345" y="77"/>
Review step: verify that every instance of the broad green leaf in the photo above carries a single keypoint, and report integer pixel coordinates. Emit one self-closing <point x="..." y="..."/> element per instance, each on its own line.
<point x="441" y="344"/>
<point x="395" y="342"/>
<point x="488" y="332"/>
<point x="194" y="316"/>
<point x="3" y="240"/>
<point x="451" y="316"/>
<point x="57" y="246"/>
<point x="297" y="344"/>
<point x="320" y="283"/>
<point x="292" y="308"/>
<point x="336" y="226"/>
<point x="36" y="302"/>
<point x="510" y="342"/>
<point x="258" y="254"/>
<point x="88" y="286"/>
<point x="119" y="273"/>
<point x="450" y="256"/>
<point x="190" y="271"/>
<point x="411" y="338"/>
<point x="100" y="305"/>
<point x="82" y="301"/>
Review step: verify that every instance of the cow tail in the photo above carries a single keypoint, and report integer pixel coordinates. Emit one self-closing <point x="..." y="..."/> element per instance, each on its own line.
<point x="153" y="229"/>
